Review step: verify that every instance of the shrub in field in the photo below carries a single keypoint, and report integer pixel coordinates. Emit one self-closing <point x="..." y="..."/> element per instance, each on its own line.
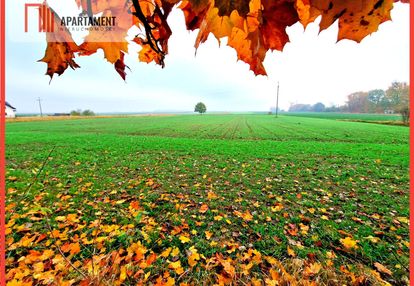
<point x="88" y="112"/>
<point x="76" y="112"/>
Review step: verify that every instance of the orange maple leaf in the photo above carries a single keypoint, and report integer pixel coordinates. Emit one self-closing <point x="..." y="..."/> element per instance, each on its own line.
<point x="203" y="208"/>
<point x="252" y="27"/>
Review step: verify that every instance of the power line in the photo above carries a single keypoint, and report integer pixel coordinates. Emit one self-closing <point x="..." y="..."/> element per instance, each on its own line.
<point x="40" y="106"/>
<point x="277" y="99"/>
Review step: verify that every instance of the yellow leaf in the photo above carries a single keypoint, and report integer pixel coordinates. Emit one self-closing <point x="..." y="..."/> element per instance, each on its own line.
<point x="247" y="216"/>
<point x="184" y="239"/>
<point x="209" y="234"/>
<point x="175" y="252"/>
<point x="170" y="281"/>
<point x="373" y="239"/>
<point x="176" y="266"/>
<point x="218" y="218"/>
<point x="166" y="252"/>
<point x="291" y="252"/>
<point x="376" y="216"/>
<point x="278" y="207"/>
<point x="330" y="254"/>
<point x="403" y="219"/>
<point x="349" y="243"/>
<point x="211" y="195"/>
<point x="60" y="218"/>
<point x="312" y="269"/>
<point x="193" y="257"/>
<point x="47" y="254"/>
<point x="123" y="274"/>
<point x="38" y="267"/>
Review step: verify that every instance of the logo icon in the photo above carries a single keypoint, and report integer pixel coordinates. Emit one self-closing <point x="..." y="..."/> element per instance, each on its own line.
<point x="46" y="17"/>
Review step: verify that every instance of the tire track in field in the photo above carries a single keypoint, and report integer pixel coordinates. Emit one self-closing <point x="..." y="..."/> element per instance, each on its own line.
<point x="236" y="128"/>
<point x="210" y="131"/>
<point x="273" y="134"/>
<point x="277" y="135"/>
<point x="249" y="127"/>
<point x="323" y="136"/>
<point x="232" y="128"/>
<point x="291" y="130"/>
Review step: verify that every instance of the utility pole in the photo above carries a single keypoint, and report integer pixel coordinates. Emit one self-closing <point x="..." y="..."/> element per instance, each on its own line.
<point x="40" y="106"/>
<point x="277" y="99"/>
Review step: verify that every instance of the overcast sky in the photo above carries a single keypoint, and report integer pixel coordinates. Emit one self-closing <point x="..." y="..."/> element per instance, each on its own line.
<point x="311" y="68"/>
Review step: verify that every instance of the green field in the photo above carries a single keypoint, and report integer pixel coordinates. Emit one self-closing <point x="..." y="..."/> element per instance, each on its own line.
<point x="230" y="199"/>
<point x="349" y="116"/>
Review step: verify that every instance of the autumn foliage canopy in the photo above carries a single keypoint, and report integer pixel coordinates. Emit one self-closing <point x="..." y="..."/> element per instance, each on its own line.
<point x="252" y="27"/>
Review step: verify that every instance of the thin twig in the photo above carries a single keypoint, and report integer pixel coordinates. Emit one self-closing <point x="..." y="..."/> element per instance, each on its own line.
<point x="151" y="40"/>
<point x="402" y="264"/>
<point x="61" y="252"/>
<point x="94" y="249"/>
<point x="39" y="171"/>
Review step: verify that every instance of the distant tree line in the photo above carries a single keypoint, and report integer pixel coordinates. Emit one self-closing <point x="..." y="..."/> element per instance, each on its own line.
<point x="299" y="107"/>
<point x="79" y="112"/>
<point x="393" y="100"/>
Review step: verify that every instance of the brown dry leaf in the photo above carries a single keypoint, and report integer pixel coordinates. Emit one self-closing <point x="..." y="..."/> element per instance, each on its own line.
<point x="382" y="268"/>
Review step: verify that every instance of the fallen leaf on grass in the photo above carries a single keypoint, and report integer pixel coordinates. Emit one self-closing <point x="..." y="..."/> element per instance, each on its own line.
<point x="203" y="208"/>
<point x="184" y="239"/>
<point x="176" y="266"/>
<point x="312" y="269"/>
<point x="382" y="268"/>
<point x="349" y="243"/>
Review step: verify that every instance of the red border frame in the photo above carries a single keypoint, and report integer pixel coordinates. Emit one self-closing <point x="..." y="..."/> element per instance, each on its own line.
<point x="2" y="144"/>
<point x="3" y="133"/>
<point x="411" y="146"/>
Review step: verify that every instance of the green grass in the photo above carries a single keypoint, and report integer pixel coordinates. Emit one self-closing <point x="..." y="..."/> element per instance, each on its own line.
<point x="328" y="180"/>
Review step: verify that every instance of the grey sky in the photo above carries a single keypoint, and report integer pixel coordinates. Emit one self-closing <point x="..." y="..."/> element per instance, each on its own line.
<point x="311" y="68"/>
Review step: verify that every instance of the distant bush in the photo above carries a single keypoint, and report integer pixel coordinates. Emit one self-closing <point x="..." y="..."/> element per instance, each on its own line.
<point x="79" y="112"/>
<point x="88" y="112"/>
<point x="76" y="112"/>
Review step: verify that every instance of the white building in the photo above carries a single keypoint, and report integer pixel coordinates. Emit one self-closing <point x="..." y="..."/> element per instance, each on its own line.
<point x="10" y="111"/>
